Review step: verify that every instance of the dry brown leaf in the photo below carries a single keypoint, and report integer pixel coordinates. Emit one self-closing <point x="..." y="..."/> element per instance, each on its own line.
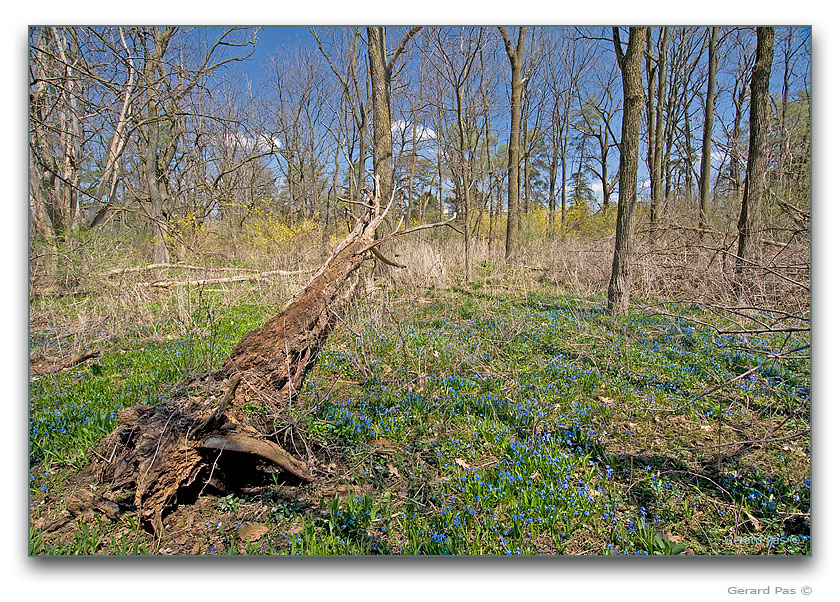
<point x="462" y="463"/>
<point x="393" y="470"/>
<point x="674" y="538"/>
<point x="606" y="401"/>
<point x="295" y="529"/>
<point x="252" y="532"/>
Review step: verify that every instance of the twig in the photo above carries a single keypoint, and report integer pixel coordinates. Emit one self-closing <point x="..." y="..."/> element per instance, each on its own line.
<point x="771" y="357"/>
<point x="748" y="443"/>
<point x="75" y="361"/>
<point x="226" y="399"/>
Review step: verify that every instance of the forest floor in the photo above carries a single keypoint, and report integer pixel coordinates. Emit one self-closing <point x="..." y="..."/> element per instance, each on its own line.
<point x="496" y="417"/>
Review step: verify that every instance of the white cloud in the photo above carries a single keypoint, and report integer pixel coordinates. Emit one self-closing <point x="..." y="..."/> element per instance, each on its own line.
<point x="403" y="129"/>
<point x="258" y="143"/>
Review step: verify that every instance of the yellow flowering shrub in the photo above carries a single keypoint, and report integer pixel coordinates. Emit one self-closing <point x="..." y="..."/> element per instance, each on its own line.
<point x="266" y="232"/>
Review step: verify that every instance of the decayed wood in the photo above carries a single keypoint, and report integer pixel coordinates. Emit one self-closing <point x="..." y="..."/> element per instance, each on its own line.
<point x="247" y="276"/>
<point x="240" y="278"/>
<point x="160" y="451"/>
<point x="259" y="447"/>
<point x="282" y="351"/>
<point x="179" y="266"/>
<point x="44" y="367"/>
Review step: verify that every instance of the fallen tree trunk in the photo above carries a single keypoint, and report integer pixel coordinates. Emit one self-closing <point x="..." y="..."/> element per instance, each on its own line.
<point x="44" y="367"/>
<point x="241" y="278"/>
<point x="174" y="266"/>
<point x="167" y="451"/>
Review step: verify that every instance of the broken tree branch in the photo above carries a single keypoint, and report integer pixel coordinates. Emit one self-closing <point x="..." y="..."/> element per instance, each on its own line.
<point x="260" y="276"/>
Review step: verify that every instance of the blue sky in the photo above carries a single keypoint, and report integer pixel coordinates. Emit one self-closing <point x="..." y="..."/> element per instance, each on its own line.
<point x="272" y="40"/>
<point x="269" y="40"/>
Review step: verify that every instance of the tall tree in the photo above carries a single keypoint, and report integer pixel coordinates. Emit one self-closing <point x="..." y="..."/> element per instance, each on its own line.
<point x="739" y="93"/>
<point x="656" y="207"/>
<point x="630" y="63"/>
<point x="159" y="153"/>
<point x="754" y="187"/>
<point x="708" y="124"/>
<point x="656" y="122"/>
<point x="381" y="70"/>
<point x="517" y="82"/>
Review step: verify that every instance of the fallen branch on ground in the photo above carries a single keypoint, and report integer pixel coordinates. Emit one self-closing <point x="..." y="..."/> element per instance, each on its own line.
<point x="181" y="266"/>
<point x="749" y="443"/>
<point x="262" y="276"/>
<point x="43" y="368"/>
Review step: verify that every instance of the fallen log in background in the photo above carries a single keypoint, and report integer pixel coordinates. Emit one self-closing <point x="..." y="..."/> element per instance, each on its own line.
<point x="45" y="366"/>
<point x="241" y="278"/>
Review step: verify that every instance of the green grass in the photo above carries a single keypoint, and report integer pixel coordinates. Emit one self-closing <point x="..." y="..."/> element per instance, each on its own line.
<point x="482" y="422"/>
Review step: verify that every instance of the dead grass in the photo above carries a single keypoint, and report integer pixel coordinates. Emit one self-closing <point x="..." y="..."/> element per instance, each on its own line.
<point x="77" y="302"/>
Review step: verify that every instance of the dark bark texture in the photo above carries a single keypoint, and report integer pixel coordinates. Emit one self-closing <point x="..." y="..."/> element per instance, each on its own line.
<point x="618" y="294"/>
<point x="754" y="188"/>
<point x="708" y="124"/>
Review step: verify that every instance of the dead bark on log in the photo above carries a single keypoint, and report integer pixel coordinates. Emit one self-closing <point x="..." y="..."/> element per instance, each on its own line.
<point x="174" y="266"/>
<point x="168" y="450"/>
<point x="241" y="278"/>
<point x="44" y="367"/>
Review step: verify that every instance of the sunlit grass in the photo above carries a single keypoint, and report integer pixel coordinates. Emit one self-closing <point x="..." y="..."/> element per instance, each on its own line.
<point x="513" y="424"/>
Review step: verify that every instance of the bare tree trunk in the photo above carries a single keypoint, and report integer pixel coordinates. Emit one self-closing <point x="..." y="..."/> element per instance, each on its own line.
<point x="631" y="74"/>
<point x="784" y="138"/>
<point x="380" y="80"/>
<point x="650" y="71"/>
<point x="688" y="166"/>
<point x="735" y="150"/>
<point x="514" y="147"/>
<point x="552" y="170"/>
<point x="657" y="190"/>
<point x="466" y="183"/>
<point x="151" y="160"/>
<point x="708" y="124"/>
<point x="754" y="189"/>
<point x="71" y="130"/>
<point x="525" y="176"/>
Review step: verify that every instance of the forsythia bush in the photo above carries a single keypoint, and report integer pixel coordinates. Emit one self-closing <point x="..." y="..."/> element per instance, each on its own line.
<point x="266" y="232"/>
<point x="581" y="220"/>
<point x="186" y="226"/>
